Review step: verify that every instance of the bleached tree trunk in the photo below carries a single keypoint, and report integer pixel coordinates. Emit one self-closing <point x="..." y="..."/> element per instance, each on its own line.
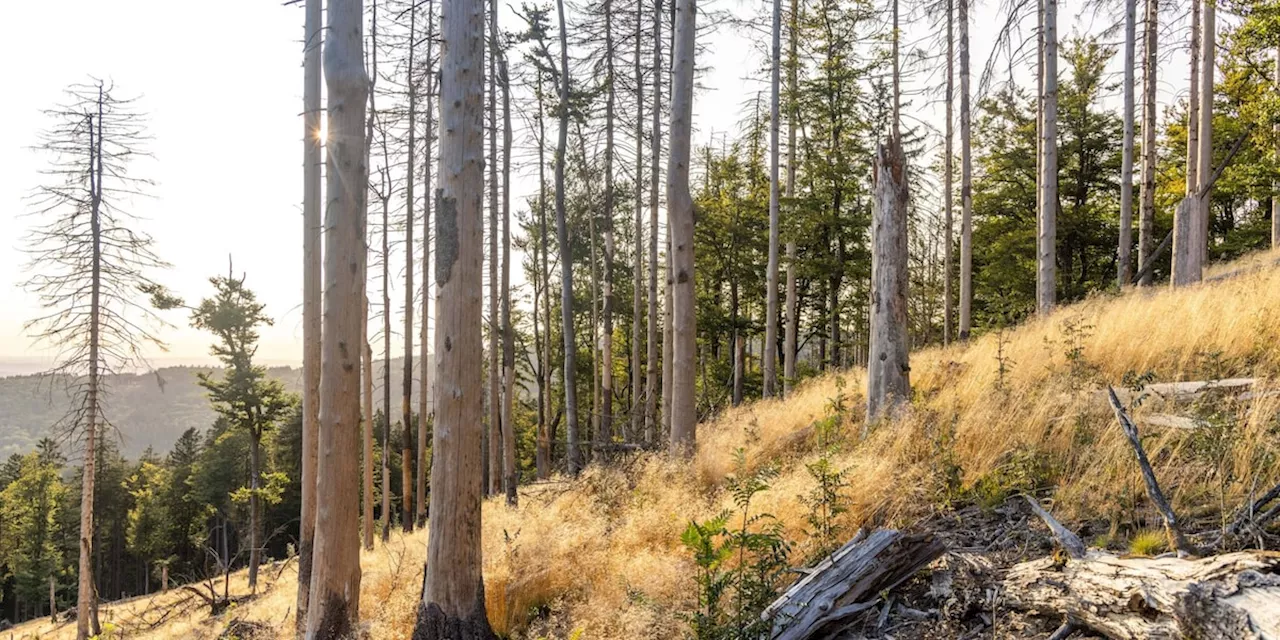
<point x="684" y="417"/>
<point x="948" y="188"/>
<point x="1124" y="251"/>
<point x="509" y="470"/>
<point x="544" y="453"/>
<point x="495" y="373"/>
<point x="789" y="349"/>
<point x="87" y="593"/>
<point x="334" y="602"/>
<point x="771" y="277"/>
<point x="1147" y="216"/>
<point x="366" y="379"/>
<point x="667" y="345"/>
<point x="425" y="365"/>
<point x="452" y="604"/>
<point x="1204" y="158"/>
<point x="312" y="146"/>
<point x="1185" y="223"/>
<point x="606" y="345"/>
<point x="655" y="151"/>
<point x="1046" y="268"/>
<point x="966" y="179"/>
<point x="888" y="380"/>
<point x="410" y="179"/>
<point x="572" y="456"/>
<point x="387" y="447"/>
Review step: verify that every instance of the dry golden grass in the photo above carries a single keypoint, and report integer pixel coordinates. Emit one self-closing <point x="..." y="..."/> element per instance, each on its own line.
<point x="601" y="556"/>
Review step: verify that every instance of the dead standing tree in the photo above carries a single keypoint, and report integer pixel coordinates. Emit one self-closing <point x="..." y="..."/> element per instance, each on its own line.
<point x="88" y="265"/>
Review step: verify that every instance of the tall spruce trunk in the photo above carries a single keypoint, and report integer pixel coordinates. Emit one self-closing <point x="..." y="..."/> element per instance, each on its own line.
<point x="1046" y="268"/>
<point x="593" y="320"/>
<point x="789" y="349"/>
<point x="684" y="417"/>
<point x="605" y="434"/>
<point x="366" y="381"/>
<point x="544" y="453"/>
<point x="573" y="459"/>
<point x="966" y="179"/>
<point x="495" y="375"/>
<point x="1204" y="158"/>
<point x="311" y="275"/>
<point x="1124" y="252"/>
<point x="335" y="582"/>
<point x="655" y="151"/>
<point x="87" y="594"/>
<point x="888" y="369"/>
<point x="453" y="589"/>
<point x="1147" y="215"/>
<point x="386" y="360"/>
<point x="948" y="188"/>
<point x="255" y="507"/>
<point x="638" y="400"/>
<point x="509" y="469"/>
<point x="769" y="356"/>
<point x="1185" y="222"/>
<point x="406" y="390"/>
<point x="424" y="379"/>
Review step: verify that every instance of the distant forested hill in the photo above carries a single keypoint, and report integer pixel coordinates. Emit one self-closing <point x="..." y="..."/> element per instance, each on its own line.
<point x="150" y="409"/>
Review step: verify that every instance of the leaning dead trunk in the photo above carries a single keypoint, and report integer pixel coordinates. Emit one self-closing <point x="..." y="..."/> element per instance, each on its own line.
<point x="1124" y="263"/>
<point x="335" y="582"/>
<point x="311" y="275"/>
<point x="684" y="418"/>
<point x="452" y="603"/>
<point x="888" y="379"/>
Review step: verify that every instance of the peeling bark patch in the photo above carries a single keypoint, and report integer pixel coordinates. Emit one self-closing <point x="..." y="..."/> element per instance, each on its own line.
<point x="446" y="236"/>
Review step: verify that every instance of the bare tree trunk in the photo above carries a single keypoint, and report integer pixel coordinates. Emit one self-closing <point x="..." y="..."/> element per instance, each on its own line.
<point x="1147" y="216"/>
<point x="684" y="417"/>
<point x="572" y="457"/>
<point x="789" y="349"/>
<point x="605" y="435"/>
<point x="544" y="452"/>
<point x="312" y="146"/>
<point x="637" y="300"/>
<point x="335" y="582"/>
<point x="509" y="470"/>
<point x="366" y="380"/>
<point x="453" y="589"/>
<point x="424" y="381"/>
<point x="655" y="151"/>
<point x="771" y="277"/>
<point x="1185" y="224"/>
<point x="1275" y="185"/>
<point x="255" y="508"/>
<point x="1124" y="266"/>
<point x="888" y="380"/>
<point x="593" y="320"/>
<point x="966" y="179"/>
<point x="495" y="374"/>
<point x="1208" y="49"/>
<point x="948" y="188"/>
<point x="667" y="341"/>
<point x="1046" y="268"/>
<point x="406" y="392"/>
<point x="386" y="358"/>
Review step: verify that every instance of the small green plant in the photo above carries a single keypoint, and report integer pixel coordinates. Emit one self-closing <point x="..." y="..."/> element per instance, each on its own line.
<point x="1148" y="543"/>
<point x="1075" y="332"/>
<point x="1024" y="470"/>
<point x="740" y="569"/>
<point x="948" y="471"/>
<point x="1136" y="383"/>
<point x="1004" y="364"/>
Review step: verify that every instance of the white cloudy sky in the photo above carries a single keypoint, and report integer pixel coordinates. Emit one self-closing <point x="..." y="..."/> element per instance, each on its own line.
<point x="222" y="87"/>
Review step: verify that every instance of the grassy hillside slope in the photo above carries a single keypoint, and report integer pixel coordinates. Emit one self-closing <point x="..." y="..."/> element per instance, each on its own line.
<point x="601" y="557"/>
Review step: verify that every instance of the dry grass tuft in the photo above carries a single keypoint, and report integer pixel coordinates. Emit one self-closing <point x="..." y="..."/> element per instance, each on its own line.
<point x="601" y="558"/>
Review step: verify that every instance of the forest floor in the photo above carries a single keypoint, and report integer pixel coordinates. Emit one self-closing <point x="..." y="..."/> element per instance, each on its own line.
<point x="1009" y="413"/>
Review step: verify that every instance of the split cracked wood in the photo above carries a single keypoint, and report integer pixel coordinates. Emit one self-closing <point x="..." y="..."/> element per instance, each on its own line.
<point x="849" y="582"/>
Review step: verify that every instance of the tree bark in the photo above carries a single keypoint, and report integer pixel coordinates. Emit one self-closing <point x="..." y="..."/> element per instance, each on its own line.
<point x="424" y="380"/>
<point x="544" y="454"/>
<point x="948" y="189"/>
<point x="509" y="470"/>
<point x="888" y="368"/>
<point x="1046" y="267"/>
<point x="769" y="356"/>
<point x="655" y="152"/>
<point x="1185" y="223"/>
<point x="1124" y="251"/>
<point x="1147" y="217"/>
<point x="255" y="508"/>
<point x="334" y="602"/>
<point x="87" y="593"/>
<point x="605" y="436"/>
<point x="573" y="460"/>
<point x="1204" y="158"/>
<point x="495" y="374"/>
<point x="1275" y="185"/>
<point x="387" y="447"/>
<point x="789" y="349"/>
<point x="966" y="179"/>
<point x="366" y="379"/>
<point x="638" y="400"/>
<point x="312" y="147"/>
<point x="410" y="178"/>
<point x="453" y="589"/>
<point x="684" y="418"/>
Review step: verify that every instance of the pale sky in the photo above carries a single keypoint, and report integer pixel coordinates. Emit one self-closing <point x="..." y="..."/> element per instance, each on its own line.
<point x="222" y="87"/>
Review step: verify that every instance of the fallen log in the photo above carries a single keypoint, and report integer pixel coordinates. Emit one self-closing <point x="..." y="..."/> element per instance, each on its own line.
<point x="1183" y="390"/>
<point x="849" y="582"/>
<point x="1227" y="597"/>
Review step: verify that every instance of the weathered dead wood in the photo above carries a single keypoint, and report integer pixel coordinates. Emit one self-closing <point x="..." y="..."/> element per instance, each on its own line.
<point x="1069" y="540"/>
<point x="1176" y="539"/>
<point x="1184" y="390"/>
<point x="1173" y="422"/>
<point x="849" y="582"/>
<point x="1229" y="596"/>
<point x="1253" y="512"/>
<point x="1065" y="631"/>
